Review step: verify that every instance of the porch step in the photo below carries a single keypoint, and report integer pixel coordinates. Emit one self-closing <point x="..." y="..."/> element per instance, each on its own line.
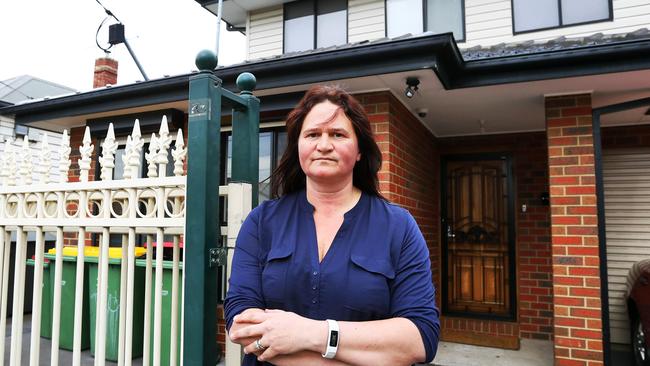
<point x="531" y="353"/>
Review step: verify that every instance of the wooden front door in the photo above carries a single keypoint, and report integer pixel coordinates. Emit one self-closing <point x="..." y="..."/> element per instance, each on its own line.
<point x="478" y="236"/>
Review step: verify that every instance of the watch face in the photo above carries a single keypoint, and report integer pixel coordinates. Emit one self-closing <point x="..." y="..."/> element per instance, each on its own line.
<point x="334" y="338"/>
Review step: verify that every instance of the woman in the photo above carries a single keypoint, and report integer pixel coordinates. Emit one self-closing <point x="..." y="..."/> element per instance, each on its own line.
<point x="331" y="273"/>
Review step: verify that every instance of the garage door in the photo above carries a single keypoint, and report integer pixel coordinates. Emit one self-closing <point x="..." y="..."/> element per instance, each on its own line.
<point x="626" y="176"/>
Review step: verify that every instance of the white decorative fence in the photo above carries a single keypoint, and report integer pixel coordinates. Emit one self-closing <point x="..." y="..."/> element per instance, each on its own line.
<point x="135" y="210"/>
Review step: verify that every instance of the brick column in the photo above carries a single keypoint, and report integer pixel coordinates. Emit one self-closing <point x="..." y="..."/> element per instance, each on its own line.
<point x="576" y="277"/>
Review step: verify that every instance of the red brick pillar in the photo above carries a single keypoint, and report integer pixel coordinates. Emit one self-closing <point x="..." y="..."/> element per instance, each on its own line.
<point x="576" y="277"/>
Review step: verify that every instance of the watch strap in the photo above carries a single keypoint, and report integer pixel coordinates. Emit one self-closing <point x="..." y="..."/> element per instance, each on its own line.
<point x="332" y="339"/>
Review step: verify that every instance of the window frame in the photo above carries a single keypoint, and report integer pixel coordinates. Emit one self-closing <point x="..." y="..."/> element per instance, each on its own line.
<point x="223" y="168"/>
<point x="462" y="15"/>
<point x="315" y="30"/>
<point x="560" y="21"/>
<point x="424" y="19"/>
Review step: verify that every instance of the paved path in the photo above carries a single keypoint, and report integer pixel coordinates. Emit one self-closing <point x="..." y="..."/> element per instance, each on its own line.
<point x="531" y="353"/>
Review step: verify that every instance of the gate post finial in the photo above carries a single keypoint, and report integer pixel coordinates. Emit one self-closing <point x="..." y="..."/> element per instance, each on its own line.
<point x="246" y="83"/>
<point x="206" y="60"/>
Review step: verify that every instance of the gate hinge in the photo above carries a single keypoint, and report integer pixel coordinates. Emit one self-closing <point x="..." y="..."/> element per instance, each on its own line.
<point x="217" y="257"/>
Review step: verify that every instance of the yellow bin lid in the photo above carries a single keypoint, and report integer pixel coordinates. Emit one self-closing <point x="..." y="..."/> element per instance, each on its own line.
<point x="90" y="251"/>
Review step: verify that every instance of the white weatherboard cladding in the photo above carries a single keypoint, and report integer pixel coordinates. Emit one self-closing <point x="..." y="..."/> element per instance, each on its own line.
<point x="35" y="136"/>
<point x="626" y="176"/>
<point x="489" y="22"/>
<point x="366" y="20"/>
<point x="264" y="33"/>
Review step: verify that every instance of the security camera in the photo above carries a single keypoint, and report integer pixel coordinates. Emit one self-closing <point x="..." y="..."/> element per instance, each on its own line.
<point x="422" y="112"/>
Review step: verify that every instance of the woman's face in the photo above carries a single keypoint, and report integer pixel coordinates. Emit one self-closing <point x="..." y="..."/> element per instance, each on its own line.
<point x="327" y="146"/>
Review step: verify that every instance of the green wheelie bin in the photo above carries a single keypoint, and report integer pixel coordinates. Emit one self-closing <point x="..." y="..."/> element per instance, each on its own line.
<point x="113" y="303"/>
<point x="68" y="294"/>
<point x="165" y="334"/>
<point x="46" y="300"/>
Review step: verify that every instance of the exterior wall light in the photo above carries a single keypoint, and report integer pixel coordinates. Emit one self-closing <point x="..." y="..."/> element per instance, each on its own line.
<point x="412" y="83"/>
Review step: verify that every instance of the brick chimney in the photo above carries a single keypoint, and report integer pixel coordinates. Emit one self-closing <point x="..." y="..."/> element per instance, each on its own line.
<point x="105" y="72"/>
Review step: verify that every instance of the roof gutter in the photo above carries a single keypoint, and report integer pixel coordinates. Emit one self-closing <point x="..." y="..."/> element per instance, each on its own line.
<point x="435" y="52"/>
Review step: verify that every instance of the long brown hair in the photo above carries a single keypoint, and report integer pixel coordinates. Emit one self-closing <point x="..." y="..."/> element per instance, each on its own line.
<point x="288" y="177"/>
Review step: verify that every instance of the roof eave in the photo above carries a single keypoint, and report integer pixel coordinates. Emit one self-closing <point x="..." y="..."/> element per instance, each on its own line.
<point x="584" y="61"/>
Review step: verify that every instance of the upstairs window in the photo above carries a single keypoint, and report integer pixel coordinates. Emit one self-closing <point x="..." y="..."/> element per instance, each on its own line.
<point x="310" y="24"/>
<point x="535" y="15"/>
<point x="417" y="16"/>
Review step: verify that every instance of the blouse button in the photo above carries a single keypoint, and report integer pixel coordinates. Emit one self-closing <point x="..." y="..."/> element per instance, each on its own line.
<point x="315" y="273"/>
<point x="313" y="288"/>
<point x="313" y="301"/>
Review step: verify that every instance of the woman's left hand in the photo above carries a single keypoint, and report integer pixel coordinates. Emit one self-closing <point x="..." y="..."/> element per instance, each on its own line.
<point x="280" y="333"/>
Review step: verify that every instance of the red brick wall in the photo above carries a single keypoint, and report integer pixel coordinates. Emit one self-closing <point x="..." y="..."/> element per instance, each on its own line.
<point x="576" y="280"/>
<point x="409" y="174"/>
<point x="533" y="246"/>
<point x="625" y="137"/>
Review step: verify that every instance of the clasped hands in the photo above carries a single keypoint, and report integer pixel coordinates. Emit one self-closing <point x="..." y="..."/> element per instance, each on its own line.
<point x="278" y="332"/>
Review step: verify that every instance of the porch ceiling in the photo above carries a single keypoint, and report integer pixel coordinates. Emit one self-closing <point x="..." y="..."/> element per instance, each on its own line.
<point x="505" y="108"/>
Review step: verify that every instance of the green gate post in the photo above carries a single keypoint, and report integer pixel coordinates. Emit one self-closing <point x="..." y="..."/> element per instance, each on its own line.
<point x="200" y="345"/>
<point x="245" y="136"/>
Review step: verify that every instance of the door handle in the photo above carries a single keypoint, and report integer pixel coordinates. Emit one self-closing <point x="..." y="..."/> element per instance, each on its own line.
<point x="450" y="233"/>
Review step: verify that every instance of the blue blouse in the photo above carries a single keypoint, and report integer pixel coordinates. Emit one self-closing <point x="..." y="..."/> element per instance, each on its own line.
<point x="377" y="267"/>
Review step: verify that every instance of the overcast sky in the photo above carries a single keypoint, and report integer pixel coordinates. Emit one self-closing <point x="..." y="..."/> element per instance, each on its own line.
<point x="55" y="40"/>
